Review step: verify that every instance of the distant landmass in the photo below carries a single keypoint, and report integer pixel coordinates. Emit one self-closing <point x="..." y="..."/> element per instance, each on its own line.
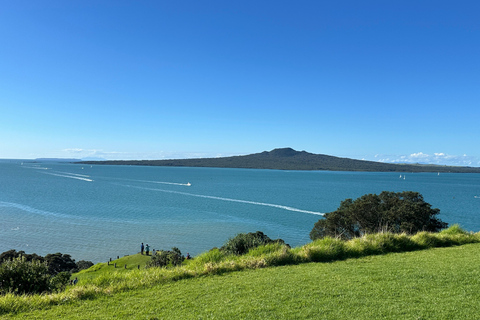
<point x="93" y="159"/>
<point x="66" y="159"/>
<point x="57" y="160"/>
<point x="290" y="159"/>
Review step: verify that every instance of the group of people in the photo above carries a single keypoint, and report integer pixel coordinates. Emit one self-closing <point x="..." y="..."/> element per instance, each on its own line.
<point x="145" y="249"/>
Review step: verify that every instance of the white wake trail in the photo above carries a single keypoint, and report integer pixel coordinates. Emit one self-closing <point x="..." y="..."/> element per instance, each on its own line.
<point x="74" y="174"/>
<point x="278" y="206"/>
<point x="71" y="177"/>
<point x="32" y="210"/>
<point x="35" y="167"/>
<point x="164" y="182"/>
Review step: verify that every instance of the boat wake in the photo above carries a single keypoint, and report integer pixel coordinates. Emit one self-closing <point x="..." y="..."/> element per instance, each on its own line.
<point x="188" y="184"/>
<point x="71" y="176"/>
<point x="32" y="210"/>
<point x="278" y="206"/>
<point x="36" y="167"/>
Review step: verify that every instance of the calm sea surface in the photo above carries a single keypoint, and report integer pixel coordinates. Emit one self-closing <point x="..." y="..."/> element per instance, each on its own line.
<point x="97" y="212"/>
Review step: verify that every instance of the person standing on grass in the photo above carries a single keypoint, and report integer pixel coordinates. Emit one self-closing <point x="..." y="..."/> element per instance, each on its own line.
<point x="147" y="249"/>
<point x="141" y="248"/>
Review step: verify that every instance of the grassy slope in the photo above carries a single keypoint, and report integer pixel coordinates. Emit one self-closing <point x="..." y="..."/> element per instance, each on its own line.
<point x="441" y="283"/>
<point x="132" y="262"/>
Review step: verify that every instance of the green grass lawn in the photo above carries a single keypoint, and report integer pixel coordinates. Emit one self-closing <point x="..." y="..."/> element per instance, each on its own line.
<point x="440" y="283"/>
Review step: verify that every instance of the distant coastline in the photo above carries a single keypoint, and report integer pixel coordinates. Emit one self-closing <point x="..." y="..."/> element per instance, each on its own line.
<point x="290" y="159"/>
<point x="55" y="160"/>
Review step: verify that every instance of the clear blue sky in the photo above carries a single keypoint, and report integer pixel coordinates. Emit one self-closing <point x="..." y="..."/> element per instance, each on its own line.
<point x="377" y="80"/>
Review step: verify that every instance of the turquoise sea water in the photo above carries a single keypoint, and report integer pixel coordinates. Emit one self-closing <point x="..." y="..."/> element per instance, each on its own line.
<point x="97" y="212"/>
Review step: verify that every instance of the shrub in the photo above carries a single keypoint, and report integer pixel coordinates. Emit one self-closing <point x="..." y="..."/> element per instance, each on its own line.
<point x="20" y="276"/>
<point x="60" y="281"/>
<point x="242" y="242"/>
<point x="22" y="273"/>
<point x="56" y="262"/>
<point x="166" y="258"/>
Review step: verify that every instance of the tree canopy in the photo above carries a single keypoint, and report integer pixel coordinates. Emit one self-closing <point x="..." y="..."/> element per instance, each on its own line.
<point x="395" y="212"/>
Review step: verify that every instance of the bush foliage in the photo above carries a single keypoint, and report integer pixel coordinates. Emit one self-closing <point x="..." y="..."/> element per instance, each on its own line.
<point x="218" y="262"/>
<point x="22" y="273"/>
<point x="56" y="262"/>
<point x="20" y="276"/>
<point x="242" y="242"/>
<point x="12" y="254"/>
<point x="166" y="258"/>
<point x="395" y="212"/>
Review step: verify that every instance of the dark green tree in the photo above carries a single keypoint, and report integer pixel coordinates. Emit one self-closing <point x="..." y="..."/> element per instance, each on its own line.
<point x="58" y="262"/>
<point x="395" y="212"/>
<point x="11" y="254"/>
<point x="82" y="264"/>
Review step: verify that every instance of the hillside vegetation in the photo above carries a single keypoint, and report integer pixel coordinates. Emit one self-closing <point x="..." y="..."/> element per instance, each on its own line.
<point x="441" y="283"/>
<point x="289" y="159"/>
<point x="373" y="287"/>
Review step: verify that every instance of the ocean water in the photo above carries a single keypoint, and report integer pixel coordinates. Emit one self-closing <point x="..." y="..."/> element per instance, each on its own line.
<point x="100" y="212"/>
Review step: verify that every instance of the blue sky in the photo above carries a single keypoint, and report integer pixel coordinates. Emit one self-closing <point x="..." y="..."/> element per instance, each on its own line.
<point x="394" y="81"/>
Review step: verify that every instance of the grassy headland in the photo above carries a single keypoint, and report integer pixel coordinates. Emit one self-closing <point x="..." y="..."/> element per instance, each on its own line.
<point x="441" y="283"/>
<point x="438" y="283"/>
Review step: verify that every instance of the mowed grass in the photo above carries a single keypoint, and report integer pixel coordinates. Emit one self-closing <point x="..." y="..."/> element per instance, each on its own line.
<point x="123" y="264"/>
<point x="438" y="283"/>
